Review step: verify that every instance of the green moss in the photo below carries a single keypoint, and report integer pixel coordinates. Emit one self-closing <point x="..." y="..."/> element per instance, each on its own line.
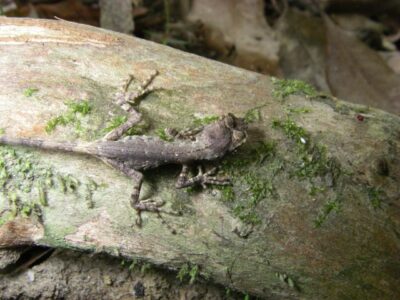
<point x="228" y="292"/>
<point x="114" y="123"/>
<point x="117" y="121"/>
<point x="313" y="164"/>
<point x="54" y="122"/>
<point x="342" y="107"/>
<point x="228" y="194"/>
<point x="256" y="153"/>
<point x="259" y="188"/>
<point x="61" y="183"/>
<point x="193" y="274"/>
<point x="145" y="267"/>
<point x="252" y="115"/>
<point x="299" y="110"/>
<point x="283" y="88"/>
<point x="163" y="135"/>
<point x="186" y="271"/>
<point x="90" y="187"/>
<point x="283" y="277"/>
<point x="5" y="217"/>
<point x="264" y="150"/>
<point x="251" y="186"/>
<point x="375" y="196"/>
<point x="247" y="214"/>
<point x="183" y="271"/>
<point x="329" y="207"/>
<point x="2" y="131"/>
<point x="29" y="92"/>
<point x="315" y="190"/>
<point x="24" y="182"/>
<point x="136" y="264"/>
<point x="18" y="171"/>
<point x="55" y="235"/>
<point x="361" y="109"/>
<point x="82" y="107"/>
<point x="48" y="178"/>
<point x="204" y="120"/>
<point x="26" y="209"/>
<point x="71" y="183"/>
<point x="42" y="194"/>
<point x="292" y="130"/>
<point x="313" y="159"/>
<point x="17" y="206"/>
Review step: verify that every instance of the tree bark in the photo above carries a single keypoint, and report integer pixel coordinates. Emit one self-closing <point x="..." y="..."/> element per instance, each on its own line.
<point x="314" y="208"/>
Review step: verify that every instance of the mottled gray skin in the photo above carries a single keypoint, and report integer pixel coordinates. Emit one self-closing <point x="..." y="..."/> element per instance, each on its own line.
<point x="133" y="154"/>
<point x="146" y="152"/>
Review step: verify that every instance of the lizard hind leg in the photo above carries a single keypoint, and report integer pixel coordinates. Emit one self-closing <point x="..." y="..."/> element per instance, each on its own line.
<point x="125" y="99"/>
<point x="137" y="177"/>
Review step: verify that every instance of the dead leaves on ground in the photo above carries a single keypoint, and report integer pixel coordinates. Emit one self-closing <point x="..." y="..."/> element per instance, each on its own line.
<point x="358" y="73"/>
<point x="239" y="32"/>
<point x="304" y="45"/>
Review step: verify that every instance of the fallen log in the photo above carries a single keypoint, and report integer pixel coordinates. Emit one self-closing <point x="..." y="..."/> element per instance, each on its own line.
<point x="313" y="211"/>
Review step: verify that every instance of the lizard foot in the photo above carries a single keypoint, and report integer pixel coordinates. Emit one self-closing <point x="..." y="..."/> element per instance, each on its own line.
<point x="146" y="205"/>
<point x="186" y="134"/>
<point x="202" y="178"/>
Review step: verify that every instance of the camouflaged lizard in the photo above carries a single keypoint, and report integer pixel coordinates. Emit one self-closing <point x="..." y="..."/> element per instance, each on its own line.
<point x="133" y="154"/>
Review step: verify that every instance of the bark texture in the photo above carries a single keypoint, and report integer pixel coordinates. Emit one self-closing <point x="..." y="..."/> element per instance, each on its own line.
<point x="313" y="213"/>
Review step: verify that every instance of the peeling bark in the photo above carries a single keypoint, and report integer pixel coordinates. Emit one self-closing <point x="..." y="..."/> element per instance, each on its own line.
<point x="322" y="194"/>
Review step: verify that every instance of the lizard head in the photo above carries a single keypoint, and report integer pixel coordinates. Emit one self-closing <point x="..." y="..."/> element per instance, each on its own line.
<point x="238" y="128"/>
<point x="222" y="136"/>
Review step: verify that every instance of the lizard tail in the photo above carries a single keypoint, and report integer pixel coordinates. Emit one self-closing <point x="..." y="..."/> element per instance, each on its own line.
<point x="45" y="144"/>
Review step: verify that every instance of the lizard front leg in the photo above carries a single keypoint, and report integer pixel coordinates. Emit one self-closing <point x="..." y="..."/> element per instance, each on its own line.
<point x="186" y="134"/>
<point x="201" y="178"/>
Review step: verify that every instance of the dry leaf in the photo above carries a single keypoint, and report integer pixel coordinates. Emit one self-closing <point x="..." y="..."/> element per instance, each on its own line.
<point x="71" y="10"/>
<point x="392" y="58"/>
<point x="117" y="15"/>
<point x="358" y="73"/>
<point x="302" y="54"/>
<point x="239" y="32"/>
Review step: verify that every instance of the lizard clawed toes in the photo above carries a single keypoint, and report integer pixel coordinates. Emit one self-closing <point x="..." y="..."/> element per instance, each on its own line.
<point x="146" y="205"/>
<point x="208" y="178"/>
<point x="202" y="178"/>
<point x="186" y="134"/>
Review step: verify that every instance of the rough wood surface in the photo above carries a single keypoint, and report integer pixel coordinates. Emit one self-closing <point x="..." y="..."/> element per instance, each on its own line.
<point x="318" y="179"/>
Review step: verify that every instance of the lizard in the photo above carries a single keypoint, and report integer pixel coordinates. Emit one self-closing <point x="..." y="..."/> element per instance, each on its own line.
<point x="133" y="154"/>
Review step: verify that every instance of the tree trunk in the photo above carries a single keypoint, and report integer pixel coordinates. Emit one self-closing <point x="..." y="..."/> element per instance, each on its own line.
<point x="314" y="208"/>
